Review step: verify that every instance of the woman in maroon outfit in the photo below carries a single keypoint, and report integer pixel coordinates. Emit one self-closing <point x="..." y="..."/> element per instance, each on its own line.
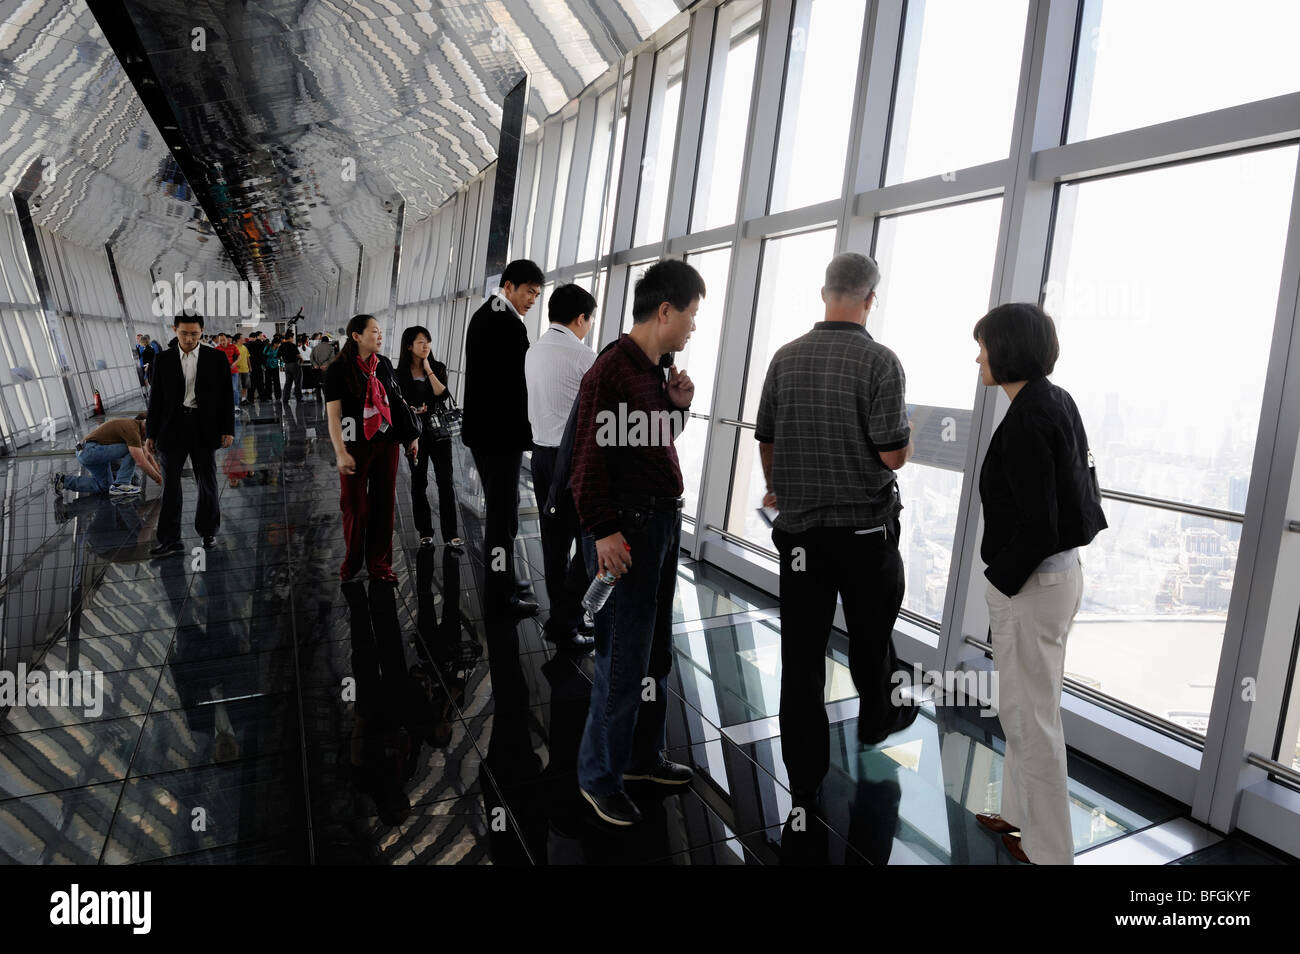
<point x="366" y="431"/>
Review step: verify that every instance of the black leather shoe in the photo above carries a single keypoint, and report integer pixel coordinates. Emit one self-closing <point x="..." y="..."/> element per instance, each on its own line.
<point x="807" y="797"/>
<point x="166" y="549"/>
<point x="522" y="606"/>
<point x="578" y="643"/>
<point x="617" y="809"/>
<point x="899" y="719"/>
<point x="665" y="773"/>
<point x="581" y="642"/>
<point x="209" y="541"/>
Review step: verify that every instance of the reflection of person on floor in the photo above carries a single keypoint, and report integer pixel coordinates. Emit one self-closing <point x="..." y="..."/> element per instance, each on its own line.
<point x="383" y="752"/>
<point x="110" y="454"/>
<point x="107" y="529"/>
<point x="234" y="466"/>
<point x="215" y="700"/>
<point x="1041" y="505"/>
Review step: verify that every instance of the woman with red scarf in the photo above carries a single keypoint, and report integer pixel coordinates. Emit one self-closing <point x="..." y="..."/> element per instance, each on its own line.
<point x="358" y="390"/>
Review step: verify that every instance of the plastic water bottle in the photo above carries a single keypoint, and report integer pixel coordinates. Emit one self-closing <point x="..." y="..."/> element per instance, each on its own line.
<point x="598" y="593"/>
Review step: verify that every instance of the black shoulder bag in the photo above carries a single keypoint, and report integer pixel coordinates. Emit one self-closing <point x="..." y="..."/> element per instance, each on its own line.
<point x="406" y="423"/>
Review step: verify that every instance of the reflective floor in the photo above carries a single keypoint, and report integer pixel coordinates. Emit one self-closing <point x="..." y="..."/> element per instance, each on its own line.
<point x="254" y="710"/>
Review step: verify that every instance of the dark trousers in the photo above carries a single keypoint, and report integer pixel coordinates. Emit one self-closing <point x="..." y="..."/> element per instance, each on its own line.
<point x="271" y="384"/>
<point x="566" y="575"/>
<point x="866" y="572"/>
<point x="202" y="457"/>
<point x="292" y="379"/>
<point x="366" y="499"/>
<point x="499" y="472"/>
<point x="439" y="451"/>
<point x="625" y="729"/>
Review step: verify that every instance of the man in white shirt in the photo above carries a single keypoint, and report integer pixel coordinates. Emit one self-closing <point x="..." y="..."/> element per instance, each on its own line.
<point x="553" y="369"/>
<point x="190" y="416"/>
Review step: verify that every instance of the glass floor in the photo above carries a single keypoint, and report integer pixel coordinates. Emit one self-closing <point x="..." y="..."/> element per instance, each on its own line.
<point x="253" y="710"/>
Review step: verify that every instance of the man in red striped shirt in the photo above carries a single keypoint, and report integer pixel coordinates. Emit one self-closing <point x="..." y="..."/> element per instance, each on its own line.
<point x="627" y="487"/>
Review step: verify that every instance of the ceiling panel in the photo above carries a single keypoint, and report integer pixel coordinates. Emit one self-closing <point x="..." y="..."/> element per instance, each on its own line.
<point x="303" y="124"/>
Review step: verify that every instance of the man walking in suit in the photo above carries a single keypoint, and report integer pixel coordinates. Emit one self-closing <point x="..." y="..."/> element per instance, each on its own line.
<point x="495" y="421"/>
<point x="190" y="415"/>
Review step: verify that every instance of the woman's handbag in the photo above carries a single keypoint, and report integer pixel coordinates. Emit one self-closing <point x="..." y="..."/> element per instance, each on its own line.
<point x="406" y="423"/>
<point x="444" y="422"/>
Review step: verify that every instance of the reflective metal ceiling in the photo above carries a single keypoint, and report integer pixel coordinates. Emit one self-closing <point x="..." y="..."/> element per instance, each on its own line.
<point x="74" y="131"/>
<point x="303" y="122"/>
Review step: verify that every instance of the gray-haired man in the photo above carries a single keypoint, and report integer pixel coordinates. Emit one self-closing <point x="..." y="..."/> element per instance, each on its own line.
<point x="832" y="429"/>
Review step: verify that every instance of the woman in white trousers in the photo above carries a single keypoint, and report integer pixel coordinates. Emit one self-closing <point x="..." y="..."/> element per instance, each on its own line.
<point x="1041" y="505"/>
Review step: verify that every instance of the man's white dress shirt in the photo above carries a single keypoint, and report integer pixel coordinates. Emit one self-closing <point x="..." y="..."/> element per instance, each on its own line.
<point x="553" y="369"/>
<point x="190" y="367"/>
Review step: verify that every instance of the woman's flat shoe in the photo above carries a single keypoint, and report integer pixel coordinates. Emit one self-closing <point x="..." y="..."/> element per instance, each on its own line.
<point x="1012" y="845"/>
<point x="994" y="822"/>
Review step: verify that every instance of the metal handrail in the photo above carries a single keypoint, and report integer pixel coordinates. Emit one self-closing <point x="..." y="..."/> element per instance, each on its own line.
<point x="1274" y="767"/>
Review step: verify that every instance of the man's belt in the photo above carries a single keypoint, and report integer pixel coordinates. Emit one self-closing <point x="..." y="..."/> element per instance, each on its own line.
<point x="646" y="502"/>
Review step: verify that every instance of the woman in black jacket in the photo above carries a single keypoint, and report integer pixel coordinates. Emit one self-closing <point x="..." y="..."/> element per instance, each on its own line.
<point x="367" y="420"/>
<point x="424" y="385"/>
<point x="1041" y="505"/>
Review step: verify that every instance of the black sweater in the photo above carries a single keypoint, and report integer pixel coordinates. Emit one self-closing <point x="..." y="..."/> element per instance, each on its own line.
<point x="338" y="387"/>
<point x="1036" y="486"/>
<point x="419" y="393"/>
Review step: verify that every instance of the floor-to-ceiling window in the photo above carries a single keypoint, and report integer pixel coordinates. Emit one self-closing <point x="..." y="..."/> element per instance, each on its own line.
<point x="958" y="144"/>
<point x="1164" y="344"/>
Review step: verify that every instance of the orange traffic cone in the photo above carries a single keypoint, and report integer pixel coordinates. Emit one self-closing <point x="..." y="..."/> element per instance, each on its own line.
<point x="99" y="405"/>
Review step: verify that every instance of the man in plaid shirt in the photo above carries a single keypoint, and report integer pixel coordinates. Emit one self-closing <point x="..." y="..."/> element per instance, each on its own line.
<point x="832" y="428"/>
<point x="627" y="487"/>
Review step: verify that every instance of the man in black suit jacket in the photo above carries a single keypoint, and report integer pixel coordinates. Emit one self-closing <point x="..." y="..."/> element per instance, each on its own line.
<point x="495" y="418"/>
<point x="190" y="415"/>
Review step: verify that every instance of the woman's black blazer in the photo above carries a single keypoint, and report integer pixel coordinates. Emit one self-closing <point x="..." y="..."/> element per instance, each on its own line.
<point x="1037" y="487"/>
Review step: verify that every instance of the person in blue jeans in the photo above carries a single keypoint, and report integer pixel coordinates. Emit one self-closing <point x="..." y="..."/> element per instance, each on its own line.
<point x="110" y="454"/>
<point x="628" y="493"/>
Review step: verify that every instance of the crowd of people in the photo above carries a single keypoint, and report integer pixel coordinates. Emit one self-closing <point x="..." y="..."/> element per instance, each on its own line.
<point x="262" y="368"/>
<point x="832" y="430"/>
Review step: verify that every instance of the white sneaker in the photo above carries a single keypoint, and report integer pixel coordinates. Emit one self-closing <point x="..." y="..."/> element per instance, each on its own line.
<point x="123" y="490"/>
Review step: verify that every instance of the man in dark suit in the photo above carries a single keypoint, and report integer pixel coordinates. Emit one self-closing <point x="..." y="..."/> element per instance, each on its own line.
<point x="190" y="415"/>
<point x="495" y="420"/>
